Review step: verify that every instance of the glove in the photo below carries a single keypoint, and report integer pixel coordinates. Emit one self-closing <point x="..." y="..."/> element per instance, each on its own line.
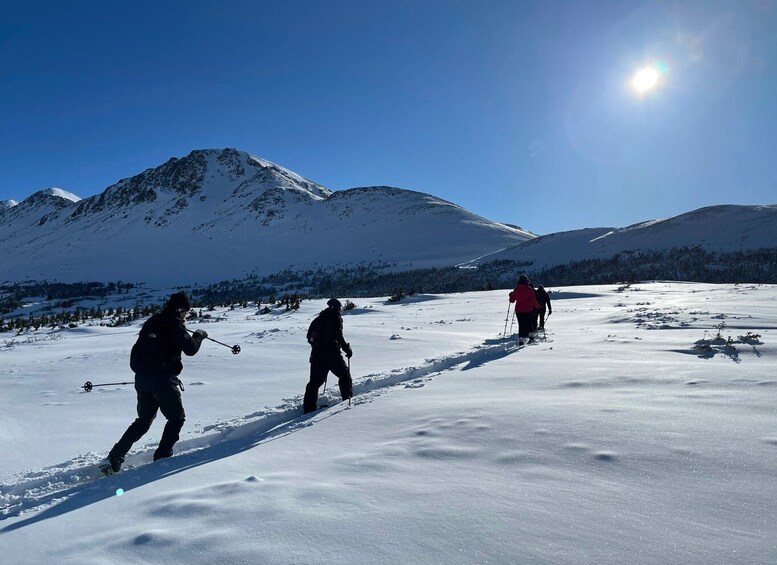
<point x="348" y="350"/>
<point x="199" y="335"/>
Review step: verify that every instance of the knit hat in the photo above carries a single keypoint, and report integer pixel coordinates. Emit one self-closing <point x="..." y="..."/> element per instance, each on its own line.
<point x="523" y="279"/>
<point x="334" y="303"/>
<point x="179" y="302"/>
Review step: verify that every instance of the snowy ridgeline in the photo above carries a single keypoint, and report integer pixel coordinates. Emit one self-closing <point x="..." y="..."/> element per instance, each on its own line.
<point x="222" y="214"/>
<point x="642" y="428"/>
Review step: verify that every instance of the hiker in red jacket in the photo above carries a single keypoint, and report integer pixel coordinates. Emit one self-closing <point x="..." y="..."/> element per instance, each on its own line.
<point x="525" y="303"/>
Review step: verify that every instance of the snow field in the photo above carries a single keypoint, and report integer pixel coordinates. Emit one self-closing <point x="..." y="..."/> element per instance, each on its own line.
<point x="614" y="440"/>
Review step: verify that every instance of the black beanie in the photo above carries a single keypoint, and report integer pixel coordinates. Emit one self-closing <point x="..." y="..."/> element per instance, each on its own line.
<point x="179" y="301"/>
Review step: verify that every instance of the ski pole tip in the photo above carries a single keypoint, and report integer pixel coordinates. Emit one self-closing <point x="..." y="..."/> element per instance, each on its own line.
<point x="87" y="386"/>
<point x="235" y="349"/>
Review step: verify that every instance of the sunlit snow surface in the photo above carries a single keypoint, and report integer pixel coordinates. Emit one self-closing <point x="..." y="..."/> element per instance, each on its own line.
<point x="629" y="434"/>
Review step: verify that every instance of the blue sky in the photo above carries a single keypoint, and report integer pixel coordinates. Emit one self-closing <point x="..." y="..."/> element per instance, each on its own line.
<point x="520" y="111"/>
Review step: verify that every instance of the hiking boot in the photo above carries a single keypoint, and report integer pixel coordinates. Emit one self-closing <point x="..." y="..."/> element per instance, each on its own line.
<point x="115" y="462"/>
<point x="111" y="465"/>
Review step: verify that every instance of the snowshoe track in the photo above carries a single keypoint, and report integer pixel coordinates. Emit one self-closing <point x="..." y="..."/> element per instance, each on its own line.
<point x="36" y="490"/>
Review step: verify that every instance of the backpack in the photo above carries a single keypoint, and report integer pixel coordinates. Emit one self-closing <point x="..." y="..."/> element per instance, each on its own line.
<point x="148" y="355"/>
<point x="320" y="332"/>
<point x="314" y="330"/>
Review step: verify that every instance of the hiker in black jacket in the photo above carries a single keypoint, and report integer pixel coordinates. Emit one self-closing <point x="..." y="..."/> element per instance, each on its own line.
<point x="544" y="300"/>
<point x="156" y="361"/>
<point x="325" y="335"/>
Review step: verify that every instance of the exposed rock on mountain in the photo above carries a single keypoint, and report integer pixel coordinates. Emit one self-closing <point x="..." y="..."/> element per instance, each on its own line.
<point x="219" y="214"/>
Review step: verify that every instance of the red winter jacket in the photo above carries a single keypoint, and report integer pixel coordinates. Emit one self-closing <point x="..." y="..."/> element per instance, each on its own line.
<point x="524" y="298"/>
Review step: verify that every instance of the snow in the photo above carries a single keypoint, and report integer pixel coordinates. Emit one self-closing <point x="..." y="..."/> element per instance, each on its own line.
<point x="220" y="215"/>
<point x="718" y="228"/>
<point x="61" y="193"/>
<point x="616" y="438"/>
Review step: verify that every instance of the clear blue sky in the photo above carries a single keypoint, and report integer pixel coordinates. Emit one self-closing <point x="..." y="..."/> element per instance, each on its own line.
<point x="520" y="111"/>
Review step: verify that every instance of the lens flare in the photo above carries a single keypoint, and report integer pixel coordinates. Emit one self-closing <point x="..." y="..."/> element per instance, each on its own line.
<point x="119" y="491"/>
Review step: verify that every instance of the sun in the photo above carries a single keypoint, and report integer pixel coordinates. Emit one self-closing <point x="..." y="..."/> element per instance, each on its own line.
<point x="646" y="79"/>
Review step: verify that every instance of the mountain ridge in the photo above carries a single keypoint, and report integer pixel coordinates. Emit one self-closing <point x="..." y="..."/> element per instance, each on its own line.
<point x="218" y="214"/>
<point x="722" y="228"/>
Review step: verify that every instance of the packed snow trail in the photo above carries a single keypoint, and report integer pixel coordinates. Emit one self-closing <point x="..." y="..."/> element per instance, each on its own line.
<point x="37" y="490"/>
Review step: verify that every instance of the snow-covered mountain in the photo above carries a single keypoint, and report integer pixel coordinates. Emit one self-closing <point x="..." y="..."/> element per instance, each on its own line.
<point x="221" y="214"/>
<point x="714" y="228"/>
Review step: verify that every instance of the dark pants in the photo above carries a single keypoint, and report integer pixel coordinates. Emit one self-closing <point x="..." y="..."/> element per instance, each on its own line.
<point x="320" y="365"/>
<point x="525" y="323"/>
<point x="542" y="317"/>
<point x="169" y="402"/>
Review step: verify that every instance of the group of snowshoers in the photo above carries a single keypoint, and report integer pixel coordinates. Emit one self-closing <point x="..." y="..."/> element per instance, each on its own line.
<point x="531" y="305"/>
<point x="156" y="361"/>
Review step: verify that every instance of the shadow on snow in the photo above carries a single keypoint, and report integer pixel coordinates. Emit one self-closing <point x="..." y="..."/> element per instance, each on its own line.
<point x="73" y="485"/>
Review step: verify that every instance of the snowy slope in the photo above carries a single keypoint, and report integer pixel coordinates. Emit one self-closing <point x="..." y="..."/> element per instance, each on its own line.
<point x="628" y="434"/>
<point x="219" y="214"/>
<point x="715" y="228"/>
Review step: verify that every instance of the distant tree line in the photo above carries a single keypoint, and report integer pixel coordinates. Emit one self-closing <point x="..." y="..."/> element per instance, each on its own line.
<point x="111" y="317"/>
<point x="12" y="295"/>
<point x="680" y="264"/>
<point x="286" y="289"/>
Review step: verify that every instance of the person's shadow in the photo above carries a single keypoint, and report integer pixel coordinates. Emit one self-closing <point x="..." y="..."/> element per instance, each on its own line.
<point x="96" y="488"/>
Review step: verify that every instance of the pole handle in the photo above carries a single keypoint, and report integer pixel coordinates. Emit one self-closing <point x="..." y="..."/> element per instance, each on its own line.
<point x="235" y="348"/>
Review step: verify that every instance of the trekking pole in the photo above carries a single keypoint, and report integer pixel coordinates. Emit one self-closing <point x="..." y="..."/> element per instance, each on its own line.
<point x="512" y="321"/>
<point x="235" y="348"/>
<point x="88" y="386"/>
<point x="350" y="378"/>
<point x="507" y="316"/>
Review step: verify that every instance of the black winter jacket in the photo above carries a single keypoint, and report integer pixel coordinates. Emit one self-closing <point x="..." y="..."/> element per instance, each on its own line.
<point x="543" y="299"/>
<point x="325" y="333"/>
<point x="162" y="340"/>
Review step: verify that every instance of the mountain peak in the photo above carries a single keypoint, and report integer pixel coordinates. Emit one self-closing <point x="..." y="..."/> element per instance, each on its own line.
<point x="204" y="177"/>
<point x="60" y="193"/>
<point x="59" y="197"/>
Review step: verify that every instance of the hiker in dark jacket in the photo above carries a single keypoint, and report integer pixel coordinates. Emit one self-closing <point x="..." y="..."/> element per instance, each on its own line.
<point x="325" y="335"/>
<point x="535" y="320"/>
<point x="156" y="361"/>
<point x="544" y="300"/>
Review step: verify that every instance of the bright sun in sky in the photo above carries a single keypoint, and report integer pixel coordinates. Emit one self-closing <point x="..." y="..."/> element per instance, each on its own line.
<point x="645" y="79"/>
